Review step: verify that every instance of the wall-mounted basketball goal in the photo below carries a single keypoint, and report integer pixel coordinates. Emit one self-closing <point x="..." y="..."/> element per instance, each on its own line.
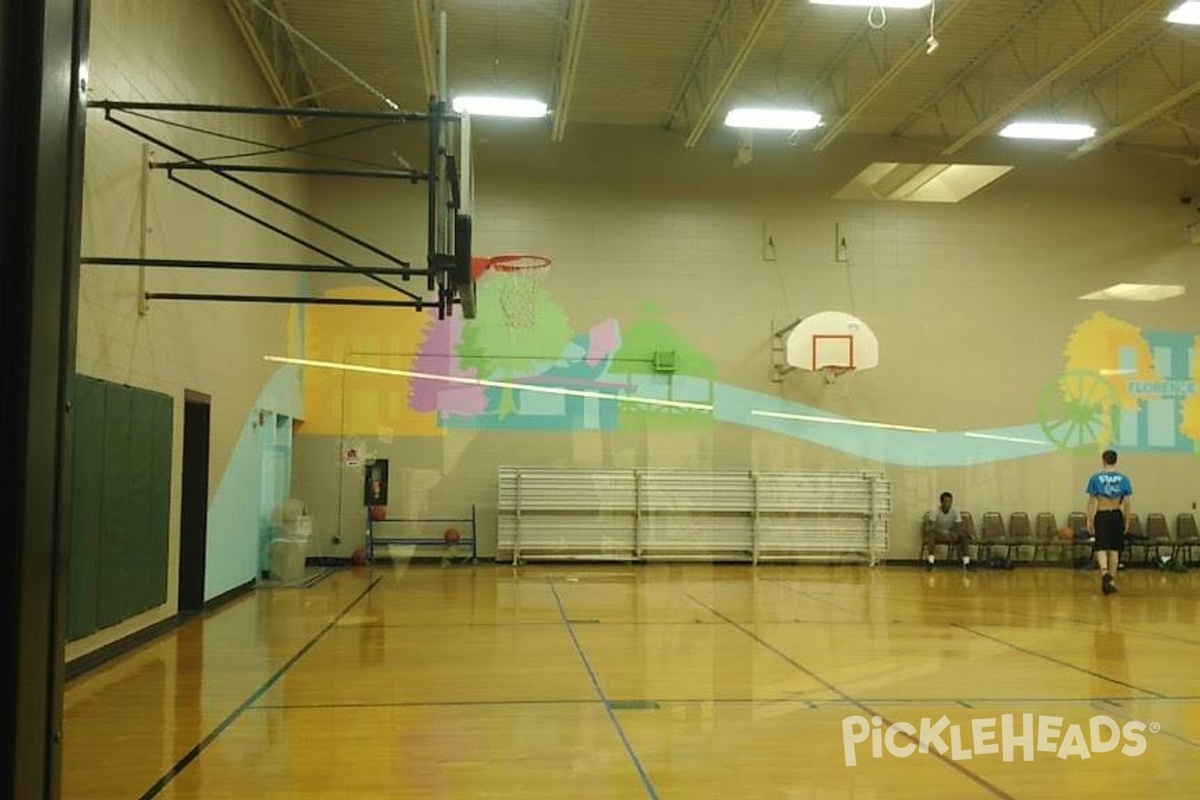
<point x="828" y="343"/>
<point x="447" y="174"/>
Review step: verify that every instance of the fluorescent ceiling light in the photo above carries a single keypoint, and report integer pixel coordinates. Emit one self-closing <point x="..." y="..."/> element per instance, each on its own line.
<point x="1186" y="14"/>
<point x="921" y="183"/>
<point x="1058" y="131"/>
<point x="875" y="3"/>
<point x="775" y="119"/>
<point x="500" y="106"/>
<point x="840" y="421"/>
<point x="1139" y="292"/>
<point x="524" y="387"/>
<point x="997" y="438"/>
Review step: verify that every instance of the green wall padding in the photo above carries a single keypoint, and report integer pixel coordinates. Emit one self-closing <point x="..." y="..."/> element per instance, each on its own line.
<point x="116" y="539"/>
<point x="121" y="499"/>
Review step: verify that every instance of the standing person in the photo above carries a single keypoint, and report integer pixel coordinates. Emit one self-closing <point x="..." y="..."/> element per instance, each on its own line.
<point x="1108" y="517"/>
<point x="944" y="525"/>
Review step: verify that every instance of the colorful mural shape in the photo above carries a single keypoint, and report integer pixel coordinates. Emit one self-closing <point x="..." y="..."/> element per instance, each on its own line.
<point x="659" y="363"/>
<point x="569" y="393"/>
<point x="535" y="375"/>
<point x="1123" y="387"/>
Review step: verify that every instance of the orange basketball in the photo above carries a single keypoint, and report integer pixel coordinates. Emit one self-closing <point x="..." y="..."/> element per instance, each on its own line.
<point x="453" y="536"/>
<point x="378" y="513"/>
<point x="1065" y="533"/>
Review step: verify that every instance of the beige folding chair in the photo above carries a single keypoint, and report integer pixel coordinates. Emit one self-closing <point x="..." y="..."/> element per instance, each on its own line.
<point x="1020" y="534"/>
<point x="991" y="535"/>
<point x="1158" y="536"/>
<point x="1186" y="537"/>
<point x="1045" y="536"/>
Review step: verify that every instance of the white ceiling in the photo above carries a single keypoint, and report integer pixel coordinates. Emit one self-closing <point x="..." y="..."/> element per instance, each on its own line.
<point x="681" y="64"/>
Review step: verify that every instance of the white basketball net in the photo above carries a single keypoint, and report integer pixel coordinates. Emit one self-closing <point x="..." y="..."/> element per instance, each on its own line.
<point x="831" y="374"/>
<point x="522" y="283"/>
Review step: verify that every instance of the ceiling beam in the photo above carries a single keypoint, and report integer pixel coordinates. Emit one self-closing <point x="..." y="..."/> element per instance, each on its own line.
<point x="1149" y="115"/>
<point x="276" y="54"/>
<point x="425" y="48"/>
<point x="885" y="80"/>
<point x="717" y="64"/>
<point x="930" y="106"/>
<point x="1048" y="79"/>
<point x="571" y="45"/>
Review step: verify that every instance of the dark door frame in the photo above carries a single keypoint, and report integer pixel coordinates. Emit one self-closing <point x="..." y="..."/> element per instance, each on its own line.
<point x="43" y="57"/>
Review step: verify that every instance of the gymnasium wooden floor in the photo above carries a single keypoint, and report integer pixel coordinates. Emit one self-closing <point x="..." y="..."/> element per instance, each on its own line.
<point x="662" y="681"/>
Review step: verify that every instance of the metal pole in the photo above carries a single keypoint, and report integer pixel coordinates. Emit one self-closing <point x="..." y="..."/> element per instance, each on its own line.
<point x="311" y="301"/>
<point x="431" y="196"/>
<point x="285" y="234"/>
<point x="263" y="194"/>
<point x="637" y="513"/>
<point x="143" y="233"/>
<point x="516" y="559"/>
<point x="208" y="166"/>
<point x="754" y="521"/>
<point x="249" y="266"/>
<point x="269" y="111"/>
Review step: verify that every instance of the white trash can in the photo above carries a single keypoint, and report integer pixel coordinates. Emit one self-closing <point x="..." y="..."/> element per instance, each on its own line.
<point x="289" y="549"/>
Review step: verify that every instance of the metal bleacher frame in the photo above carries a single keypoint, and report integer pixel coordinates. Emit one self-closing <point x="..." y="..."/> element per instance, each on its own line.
<point x="548" y="513"/>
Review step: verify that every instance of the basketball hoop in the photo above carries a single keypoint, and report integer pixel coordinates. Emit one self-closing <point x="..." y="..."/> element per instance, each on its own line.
<point x="831" y="372"/>
<point x="523" y="276"/>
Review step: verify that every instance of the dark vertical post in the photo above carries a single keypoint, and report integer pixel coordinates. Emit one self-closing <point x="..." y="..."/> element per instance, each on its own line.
<point x="43" y="57"/>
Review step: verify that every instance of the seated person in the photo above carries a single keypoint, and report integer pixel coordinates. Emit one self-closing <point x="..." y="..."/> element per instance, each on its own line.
<point x="943" y="525"/>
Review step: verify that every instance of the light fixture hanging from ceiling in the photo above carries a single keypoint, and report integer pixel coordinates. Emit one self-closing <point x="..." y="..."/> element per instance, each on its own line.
<point x="931" y="43"/>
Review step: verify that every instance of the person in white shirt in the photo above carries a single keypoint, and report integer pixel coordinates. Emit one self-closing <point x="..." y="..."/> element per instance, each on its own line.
<point x="944" y="525"/>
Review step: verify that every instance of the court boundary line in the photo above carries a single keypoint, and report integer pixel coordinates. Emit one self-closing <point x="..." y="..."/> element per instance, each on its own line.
<point x="1058" y="661"/>
<point x="1027" y="614"/>
<point x="812" y="703"/>
<point x="649" y="786"/>
<point x="224" y="725"/>
<point x="979" y="780"/>
<point x="552" y="623"/>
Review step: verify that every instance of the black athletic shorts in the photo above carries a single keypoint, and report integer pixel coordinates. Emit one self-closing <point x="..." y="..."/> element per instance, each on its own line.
<point x="1109" y="527"/>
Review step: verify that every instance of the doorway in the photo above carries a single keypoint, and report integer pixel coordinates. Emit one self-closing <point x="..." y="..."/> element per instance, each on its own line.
<point x="193" y="522"/>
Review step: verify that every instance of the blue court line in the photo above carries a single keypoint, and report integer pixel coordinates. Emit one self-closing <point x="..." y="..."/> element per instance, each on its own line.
<point x="809" y="702"/>
<point x="1058" y="661"/>
<point x="423" y="704"/>
<point x="979" y="780"/>
<point x="691" y="623"/>
<point x="1007" y="612"/>
<point x="600" y="693"/>
<point x="195" y="752"/>
<point x="1122" y="714"/>
<point x="856" y="614"/>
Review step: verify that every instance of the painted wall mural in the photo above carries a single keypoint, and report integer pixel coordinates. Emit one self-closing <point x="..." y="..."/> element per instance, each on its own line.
<point x="1132" y="389"/>
<point x="1120" y="385"/>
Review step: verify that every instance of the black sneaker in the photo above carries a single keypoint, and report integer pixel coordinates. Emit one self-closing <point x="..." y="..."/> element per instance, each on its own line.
<point x="929" y="566"/>
<point x="1106" y="584"/>
<point x="969" y="566"/>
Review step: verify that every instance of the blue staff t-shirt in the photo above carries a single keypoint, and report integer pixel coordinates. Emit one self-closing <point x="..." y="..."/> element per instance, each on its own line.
<point x="1109" y="484"/>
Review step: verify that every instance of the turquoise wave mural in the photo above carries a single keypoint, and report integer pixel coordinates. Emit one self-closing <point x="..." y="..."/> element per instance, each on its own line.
<point x="901" y="447"/>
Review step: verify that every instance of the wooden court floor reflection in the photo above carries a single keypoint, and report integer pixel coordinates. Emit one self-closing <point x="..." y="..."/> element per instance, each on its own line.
<point x="664" y="681"/>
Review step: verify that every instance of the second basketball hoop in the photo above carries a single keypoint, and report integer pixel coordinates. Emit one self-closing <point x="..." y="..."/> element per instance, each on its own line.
<point x="830" y="343"/>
